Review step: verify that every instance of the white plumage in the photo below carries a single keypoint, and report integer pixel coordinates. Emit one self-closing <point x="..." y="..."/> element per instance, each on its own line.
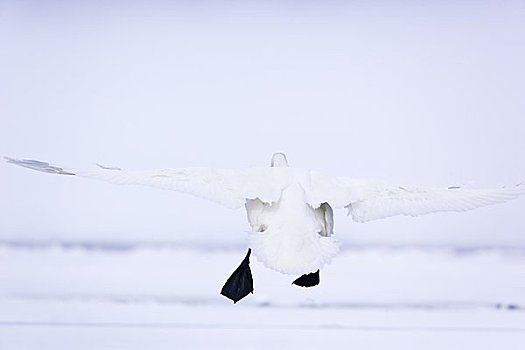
<point x="290" y="209"/>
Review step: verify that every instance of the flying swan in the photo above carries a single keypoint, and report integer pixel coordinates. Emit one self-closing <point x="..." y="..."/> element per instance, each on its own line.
<point x="290" y="209"/>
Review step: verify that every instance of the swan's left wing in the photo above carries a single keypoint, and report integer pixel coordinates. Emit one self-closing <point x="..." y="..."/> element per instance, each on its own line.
<point x="227" y="187"/>
<point x="368" y="200"/>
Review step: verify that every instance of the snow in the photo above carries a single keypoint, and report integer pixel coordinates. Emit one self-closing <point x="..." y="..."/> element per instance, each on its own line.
<point x="163" y="297"/>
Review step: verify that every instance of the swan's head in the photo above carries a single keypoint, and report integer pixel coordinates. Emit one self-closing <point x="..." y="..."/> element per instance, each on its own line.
<point x="279" y="160"/>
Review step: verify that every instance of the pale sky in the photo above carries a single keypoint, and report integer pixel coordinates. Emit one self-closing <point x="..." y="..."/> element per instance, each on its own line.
<point x="413" y="93"/>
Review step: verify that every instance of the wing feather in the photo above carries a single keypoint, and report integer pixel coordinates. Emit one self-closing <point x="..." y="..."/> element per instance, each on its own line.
<point x="227" y="187"/>
<point x="372" y="200"/>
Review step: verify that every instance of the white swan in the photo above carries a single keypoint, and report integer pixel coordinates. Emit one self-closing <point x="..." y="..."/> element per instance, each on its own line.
<point x="290" y="209"/>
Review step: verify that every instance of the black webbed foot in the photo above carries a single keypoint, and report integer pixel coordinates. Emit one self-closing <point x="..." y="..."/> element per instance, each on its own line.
<point x="308" y="280"/>
<point x="240" y="283"/>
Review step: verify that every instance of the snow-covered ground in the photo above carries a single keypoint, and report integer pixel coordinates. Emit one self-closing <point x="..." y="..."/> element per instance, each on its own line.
<point x="155" y="297"/>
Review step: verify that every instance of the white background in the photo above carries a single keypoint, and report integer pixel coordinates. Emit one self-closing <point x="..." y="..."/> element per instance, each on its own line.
<point x="415" y="93"/>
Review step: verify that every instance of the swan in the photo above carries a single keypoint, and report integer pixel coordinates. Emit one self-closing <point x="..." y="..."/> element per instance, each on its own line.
<point x="290" y="210"/>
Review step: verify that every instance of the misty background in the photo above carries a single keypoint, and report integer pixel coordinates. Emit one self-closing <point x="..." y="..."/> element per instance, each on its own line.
<point x="428" y="94"/>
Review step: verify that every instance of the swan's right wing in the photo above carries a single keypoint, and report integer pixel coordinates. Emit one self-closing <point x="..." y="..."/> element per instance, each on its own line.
<point x="371" y="200"/>
<point x="227" y="187"/>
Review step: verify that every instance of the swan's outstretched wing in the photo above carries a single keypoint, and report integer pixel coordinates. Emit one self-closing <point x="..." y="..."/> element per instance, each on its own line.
<point x="368" y="200"/>
<point x="230" y="188"/>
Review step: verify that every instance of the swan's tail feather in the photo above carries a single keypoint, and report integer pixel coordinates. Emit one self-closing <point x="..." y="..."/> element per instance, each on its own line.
<point x="293" y="254"/>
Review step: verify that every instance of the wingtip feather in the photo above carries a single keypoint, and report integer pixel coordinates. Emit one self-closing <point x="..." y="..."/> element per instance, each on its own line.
<point x="38" y="165"/>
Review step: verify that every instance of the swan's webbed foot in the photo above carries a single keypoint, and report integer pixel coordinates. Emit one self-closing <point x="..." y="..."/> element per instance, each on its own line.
<point x="308" y="280"/>
<point x="240" y="283"/>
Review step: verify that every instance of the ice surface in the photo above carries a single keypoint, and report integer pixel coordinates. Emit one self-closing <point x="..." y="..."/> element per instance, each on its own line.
<point x="54" y="297"/>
